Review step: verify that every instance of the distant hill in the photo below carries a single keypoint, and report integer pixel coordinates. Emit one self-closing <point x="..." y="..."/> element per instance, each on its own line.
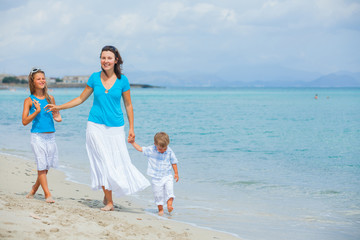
<point x="340" y="79"/>
<point x="167" y="79"/>
<point x="261" y="78"/>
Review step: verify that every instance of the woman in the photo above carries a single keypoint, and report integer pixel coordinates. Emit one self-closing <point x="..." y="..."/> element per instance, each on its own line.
<point x="111" y="167"/>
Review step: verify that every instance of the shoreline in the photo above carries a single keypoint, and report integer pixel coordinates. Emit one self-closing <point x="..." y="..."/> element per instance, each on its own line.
<point x="69" y="85"/>
<point x="76" y="212"/>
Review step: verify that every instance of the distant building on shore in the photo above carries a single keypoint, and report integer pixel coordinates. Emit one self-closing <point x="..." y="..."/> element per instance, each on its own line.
<point x="74" y="79"/>
<point x="23" y="77"/>
<point x="2" y="75"/>
<point x="49" y="80"/>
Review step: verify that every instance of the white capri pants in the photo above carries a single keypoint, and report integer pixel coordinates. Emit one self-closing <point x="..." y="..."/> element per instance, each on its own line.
<point x="163" y="189"/>
<point x="45" y="150"/>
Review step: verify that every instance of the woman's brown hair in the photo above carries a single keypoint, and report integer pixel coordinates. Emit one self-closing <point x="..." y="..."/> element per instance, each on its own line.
<point x="119" y="61"/>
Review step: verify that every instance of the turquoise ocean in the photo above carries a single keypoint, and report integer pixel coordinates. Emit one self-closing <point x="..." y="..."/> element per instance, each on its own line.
<point x="261" y="163"/>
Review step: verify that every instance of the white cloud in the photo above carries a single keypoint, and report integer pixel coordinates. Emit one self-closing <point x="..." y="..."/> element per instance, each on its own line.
<point x="172" y="35"/>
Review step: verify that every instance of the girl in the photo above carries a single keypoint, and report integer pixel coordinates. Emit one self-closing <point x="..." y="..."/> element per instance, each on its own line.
<point x="110" y="163"/>
<point x="42" y="131"/>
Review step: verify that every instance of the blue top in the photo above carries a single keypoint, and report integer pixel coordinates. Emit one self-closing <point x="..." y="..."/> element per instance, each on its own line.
<point x="106" y="108"/>
<point x="159" y="164"/>
<point x="43" y="122"/>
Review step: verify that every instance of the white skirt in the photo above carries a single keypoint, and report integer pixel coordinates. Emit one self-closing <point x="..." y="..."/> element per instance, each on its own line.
<point x="45" y="150"/>
<point x="110" y="162"/>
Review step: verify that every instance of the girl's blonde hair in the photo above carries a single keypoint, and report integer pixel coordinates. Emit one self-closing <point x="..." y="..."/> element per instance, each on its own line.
<point x="161" y="139"/>
<point x="32" y="84"/>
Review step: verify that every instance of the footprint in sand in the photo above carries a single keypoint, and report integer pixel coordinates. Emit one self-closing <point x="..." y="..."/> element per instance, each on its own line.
<point x="42" y="233"/>
<point x="8" y="223"/>
<point x="117" y="227"/>
<point x="34" y="216"/>
<point x="101" y="223"/>
<point x="65" y="223"/>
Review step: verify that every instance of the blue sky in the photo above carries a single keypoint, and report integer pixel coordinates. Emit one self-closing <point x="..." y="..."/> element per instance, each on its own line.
<point x="65" y="37"/>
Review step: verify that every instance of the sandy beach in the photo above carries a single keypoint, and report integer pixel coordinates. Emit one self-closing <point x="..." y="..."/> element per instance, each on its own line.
<point x="76" y="213"/>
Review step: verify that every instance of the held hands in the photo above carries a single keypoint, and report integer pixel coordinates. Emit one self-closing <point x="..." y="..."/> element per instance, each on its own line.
<point x="56" y="116"/>
<point x="52" y="107"/>
<point x="55" y="111"/>
<point x="131" y="137"/>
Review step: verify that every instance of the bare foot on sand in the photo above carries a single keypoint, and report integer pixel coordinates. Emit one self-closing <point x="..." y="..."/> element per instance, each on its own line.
<point x="31" y="193"/>
<point x="170" y="208"/>
<point x="105" y="202"/>
<point x="108" y="207"/>
<point x="161" y="212"/>
<point x="49" y="200"/>
<point x="169" y="205"/>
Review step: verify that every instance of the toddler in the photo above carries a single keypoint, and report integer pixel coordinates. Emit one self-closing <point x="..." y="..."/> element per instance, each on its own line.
<point x="161" y="162"/>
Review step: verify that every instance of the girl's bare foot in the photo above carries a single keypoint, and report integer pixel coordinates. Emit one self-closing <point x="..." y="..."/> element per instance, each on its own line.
<point x="31" y="193"/>
<point x="108" y="207"/>
<point x="49" y="200"/>
<point x="105" y="202"/>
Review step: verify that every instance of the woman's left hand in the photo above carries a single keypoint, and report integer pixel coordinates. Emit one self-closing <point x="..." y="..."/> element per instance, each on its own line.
<point x="131" y="137"/>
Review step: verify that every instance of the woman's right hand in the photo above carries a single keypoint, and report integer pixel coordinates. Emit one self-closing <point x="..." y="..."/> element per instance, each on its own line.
<point x="51" y="107"/>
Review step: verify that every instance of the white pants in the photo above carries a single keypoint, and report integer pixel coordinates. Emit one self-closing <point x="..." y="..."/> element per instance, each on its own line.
<point x="163" y="189"/>
<point x="45" y="150"/>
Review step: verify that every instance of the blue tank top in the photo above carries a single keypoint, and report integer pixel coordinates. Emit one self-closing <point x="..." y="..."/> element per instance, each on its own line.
<point x="43" y="122"/>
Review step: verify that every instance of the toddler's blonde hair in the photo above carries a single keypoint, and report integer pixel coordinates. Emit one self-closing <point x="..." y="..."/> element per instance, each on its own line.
<point x="161" y="139"/>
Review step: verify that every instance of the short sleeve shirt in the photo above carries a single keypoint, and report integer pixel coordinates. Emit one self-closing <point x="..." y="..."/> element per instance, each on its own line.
<point x="159" y="164"/>
<point x="106" y="108"/>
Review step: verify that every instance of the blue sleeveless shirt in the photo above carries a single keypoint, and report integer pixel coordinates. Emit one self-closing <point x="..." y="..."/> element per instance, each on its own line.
<point x="43" y="122"/>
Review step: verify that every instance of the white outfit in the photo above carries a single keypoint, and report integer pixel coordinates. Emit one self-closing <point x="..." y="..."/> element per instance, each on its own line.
<point x="110" y="162"/>
<point x="45" y="150"/>
<point x="159" y="164"/>
<point x="160" y="169"/>
<point x="163" y="189"/>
